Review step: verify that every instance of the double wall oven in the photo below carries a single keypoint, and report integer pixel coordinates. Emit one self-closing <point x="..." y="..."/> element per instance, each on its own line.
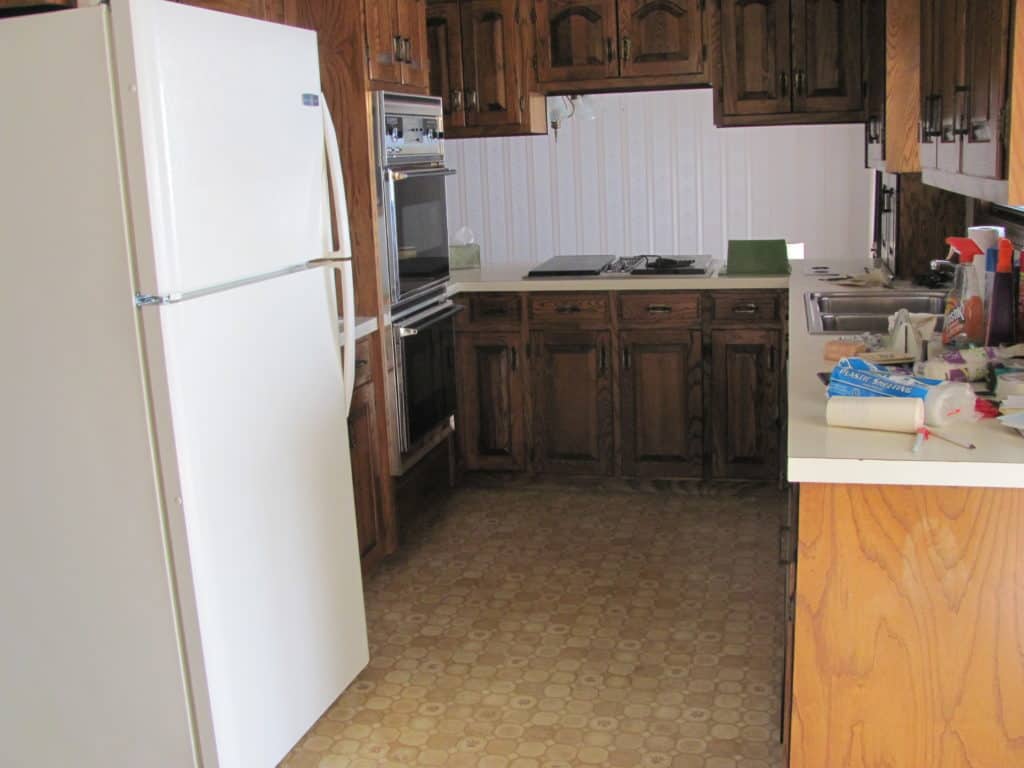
<point x="413" y="221"/>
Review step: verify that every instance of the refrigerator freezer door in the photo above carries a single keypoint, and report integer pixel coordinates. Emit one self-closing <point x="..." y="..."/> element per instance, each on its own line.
<point x="224" y="144"/>
<point x="90" y="665"/>
<point x="258" y="411"/>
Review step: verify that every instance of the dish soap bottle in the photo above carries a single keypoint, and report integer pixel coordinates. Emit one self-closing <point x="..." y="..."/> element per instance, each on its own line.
<point x="964" y="323"/>
<point x="1002" y="325"/>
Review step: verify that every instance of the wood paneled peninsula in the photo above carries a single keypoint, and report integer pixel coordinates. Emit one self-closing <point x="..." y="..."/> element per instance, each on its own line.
<point x="905" y="586"/>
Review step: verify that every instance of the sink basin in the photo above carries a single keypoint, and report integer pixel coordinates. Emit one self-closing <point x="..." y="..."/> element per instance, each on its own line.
<point x="866" y="311"/>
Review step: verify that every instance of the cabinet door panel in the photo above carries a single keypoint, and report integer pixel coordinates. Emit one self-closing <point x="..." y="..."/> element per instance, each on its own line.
<point x="444" y="52"/>
<point x="382" y="39"/>
<point x="745" y="403"/>
<point x="366" y="475"/>
<point x="874" y="104"/>
<point x="660" y="37"/>
<point x="490" y="420"/>
<point x="490" y="62"/>
<point x="930" y="83"/>
<point x="755" y="57"/>
<point x="576" y="40"/>
<point x="827" y="73"/>
<point x="412" y="29"/>
<point x="949" y="20"/>
<point x="572" y="401"/>
<point x="987" y="44"/>
<point x="661" y="395"/>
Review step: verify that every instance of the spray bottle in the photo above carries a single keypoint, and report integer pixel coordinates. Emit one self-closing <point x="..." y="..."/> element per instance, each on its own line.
<point x="1002" y="323"/>
<point x="964" y="323"/>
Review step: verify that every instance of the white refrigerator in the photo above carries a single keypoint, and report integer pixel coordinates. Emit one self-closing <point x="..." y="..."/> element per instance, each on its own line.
<point x="179" y="573"/>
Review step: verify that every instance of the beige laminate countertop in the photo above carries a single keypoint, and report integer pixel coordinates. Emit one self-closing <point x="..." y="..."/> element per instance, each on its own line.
<point x="503" y="278"/>
<point x="818" y="453"/>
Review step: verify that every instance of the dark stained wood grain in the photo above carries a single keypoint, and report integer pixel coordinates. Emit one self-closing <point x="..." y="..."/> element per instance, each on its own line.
<point x="924" y="218"/>
<point x="490" y="62"/>
<point x="576" y="40"/>
<point x="755" y="57"/>
<point x="986" y="51"/>
<point x="745" y="307"/>
<point x="660" y="37"/>
<point x="648" y="309"/>
<point x="412" y="28"/>
<point x="827" y="56"/>
<point x="490" y="311"/>
<point x="367" y="477"/>
<point x="660" y="396"/>
<point x="572" y="402"/>
<point x="745" y="403"/>
<point x="382" y="40"/>
<point x="444" y="50"/>
<point x="576" y="310"/>
<point x="909" y="647"/>
<point x="490" y="420"/>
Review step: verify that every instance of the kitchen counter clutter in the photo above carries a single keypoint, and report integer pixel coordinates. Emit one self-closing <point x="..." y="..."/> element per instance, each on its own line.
<point x="821" y="454"/>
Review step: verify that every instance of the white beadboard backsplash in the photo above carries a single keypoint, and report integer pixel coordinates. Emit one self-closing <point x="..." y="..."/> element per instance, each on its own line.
<point x="651" y="174"/>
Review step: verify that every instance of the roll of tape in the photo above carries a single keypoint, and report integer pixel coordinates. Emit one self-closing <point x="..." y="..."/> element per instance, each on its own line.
<point x="887" y="414"/>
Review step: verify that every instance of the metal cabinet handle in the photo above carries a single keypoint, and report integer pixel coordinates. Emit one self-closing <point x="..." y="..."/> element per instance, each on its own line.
<point x="960" y="121"/>
<point x="396" y="47"/>
<point x="659" y="309"/>
<point x="472" y="103"/>
<point x="610" y="50"/>
<point x="567" y="309"/>
<point x="932" y="107"/>
<point x="784" y="84"/>
<point x="627" y="48"/>
<point x="744" y="309"/>
<point x="456" y="100"/>
<point x="800" y="82"/>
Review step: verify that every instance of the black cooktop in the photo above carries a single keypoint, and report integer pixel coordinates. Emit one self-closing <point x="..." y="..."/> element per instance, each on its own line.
<point x="572" y="265"/>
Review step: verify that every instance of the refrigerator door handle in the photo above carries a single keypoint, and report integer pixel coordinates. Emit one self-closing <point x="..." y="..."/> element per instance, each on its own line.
<point x="343" y="255"/>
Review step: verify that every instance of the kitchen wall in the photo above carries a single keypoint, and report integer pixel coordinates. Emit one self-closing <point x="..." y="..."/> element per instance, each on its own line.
<point x="651" y="174"/>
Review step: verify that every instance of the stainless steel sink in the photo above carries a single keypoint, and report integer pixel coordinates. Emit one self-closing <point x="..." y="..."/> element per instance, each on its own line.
<point x="860" y="311"/>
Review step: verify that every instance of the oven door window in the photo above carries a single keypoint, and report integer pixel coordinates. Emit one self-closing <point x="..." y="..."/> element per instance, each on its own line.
<point x="429" y="359"/>
<point x="422" y="228"/>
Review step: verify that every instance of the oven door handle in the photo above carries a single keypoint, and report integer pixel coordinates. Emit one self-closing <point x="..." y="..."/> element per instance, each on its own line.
<point x="413" y="325"/>
<point x="419" y="173"/>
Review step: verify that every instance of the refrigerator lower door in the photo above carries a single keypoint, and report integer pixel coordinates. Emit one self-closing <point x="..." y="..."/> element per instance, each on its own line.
<point x="258" y="410"/>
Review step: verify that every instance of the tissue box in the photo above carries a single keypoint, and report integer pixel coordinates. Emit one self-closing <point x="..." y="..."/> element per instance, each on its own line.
<point x="464" y="256"/>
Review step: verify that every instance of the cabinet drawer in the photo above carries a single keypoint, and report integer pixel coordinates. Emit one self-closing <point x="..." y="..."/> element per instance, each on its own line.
<point x="364" y="358"/>
<point x="489" y="311"/>
<point x="659" y="309"/>
<point x="742" y="307"/>
<point x="569" y="309"/>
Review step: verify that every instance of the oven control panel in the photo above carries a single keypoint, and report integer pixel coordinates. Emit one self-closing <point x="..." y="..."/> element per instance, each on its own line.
<point x="412" y="136"/>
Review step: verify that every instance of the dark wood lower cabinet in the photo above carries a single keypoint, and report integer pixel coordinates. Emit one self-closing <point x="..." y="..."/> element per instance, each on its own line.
<point x="367" y="476"/>
<point x="572" y="402"/>
<point x="660" y="391"/>
<point x="745" y="403"/>
<point x="490" y="420"/>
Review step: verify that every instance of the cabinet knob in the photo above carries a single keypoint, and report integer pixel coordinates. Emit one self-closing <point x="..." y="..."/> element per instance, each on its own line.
<point x="627" y="48"/>
<point x="610" y="50"/>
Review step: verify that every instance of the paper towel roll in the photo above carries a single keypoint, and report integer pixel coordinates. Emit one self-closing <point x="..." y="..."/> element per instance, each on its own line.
<point x="888" y="414"/>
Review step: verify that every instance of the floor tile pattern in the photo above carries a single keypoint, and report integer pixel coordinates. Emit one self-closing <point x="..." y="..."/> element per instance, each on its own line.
<point x="547" y="626"/>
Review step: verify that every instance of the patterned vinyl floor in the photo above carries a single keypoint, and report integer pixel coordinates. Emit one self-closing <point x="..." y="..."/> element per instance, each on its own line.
<point x="534" y="626"/>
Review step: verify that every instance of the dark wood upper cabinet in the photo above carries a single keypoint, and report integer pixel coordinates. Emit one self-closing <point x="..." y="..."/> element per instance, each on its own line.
<point x="490" y="62"/>
<point x="576" y="40"/>
<point x="745" y="384"/>
<point x="412" y="29"/>
<point x="572" y="402"/>
<point x="874" y="84"/>
<point x="660" y="393"/>
<point x="444" y="49"/>
<point x="827" y="63"/>
<point x="661" y="37"/>
<point x="756" y="76"/>
<point x="790" y="61"/>
<point x="490" y="420"/>
<point x="987" y="88"/>
<point x="930" y="83"/>
<point x="951" y="88"/>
